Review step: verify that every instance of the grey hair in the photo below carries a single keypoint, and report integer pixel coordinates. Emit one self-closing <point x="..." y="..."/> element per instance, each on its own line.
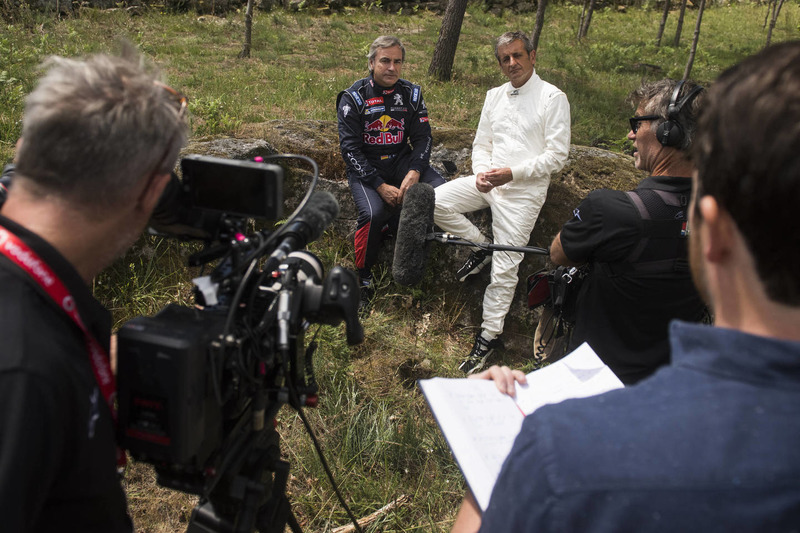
<point x="654" y="97"/>
<point x="384" y="41"/>
<point x="508" y="38"/>
<point x="93" y="129"/>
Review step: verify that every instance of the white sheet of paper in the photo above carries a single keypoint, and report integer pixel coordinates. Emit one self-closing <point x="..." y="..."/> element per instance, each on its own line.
<point x="480" y="423"/>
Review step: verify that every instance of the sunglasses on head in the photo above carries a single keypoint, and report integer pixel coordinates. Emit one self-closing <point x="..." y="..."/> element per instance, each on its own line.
<point x="181" y="101"/>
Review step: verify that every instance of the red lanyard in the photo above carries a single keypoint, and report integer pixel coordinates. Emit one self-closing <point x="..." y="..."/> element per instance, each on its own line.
<point x="20" y="254"/>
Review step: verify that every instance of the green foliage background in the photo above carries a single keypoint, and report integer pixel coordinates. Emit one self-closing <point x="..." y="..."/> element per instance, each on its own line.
<point x="374" y="425"/>
<point x="300" y="61"/>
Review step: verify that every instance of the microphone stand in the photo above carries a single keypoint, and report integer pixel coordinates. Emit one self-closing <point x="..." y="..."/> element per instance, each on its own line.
<point x="449" y="238"/>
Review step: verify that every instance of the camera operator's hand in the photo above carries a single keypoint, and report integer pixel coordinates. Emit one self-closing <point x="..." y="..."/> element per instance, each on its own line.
<point x="390" y="194"/>
<point x="503" y="377"/>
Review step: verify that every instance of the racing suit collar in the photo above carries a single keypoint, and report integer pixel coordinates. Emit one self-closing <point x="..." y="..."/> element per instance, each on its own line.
<point x="526" y="87"/>
<point x="378" y="87"/>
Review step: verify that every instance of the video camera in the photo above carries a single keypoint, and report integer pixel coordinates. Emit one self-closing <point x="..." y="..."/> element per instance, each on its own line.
<point x="199" y="387"/>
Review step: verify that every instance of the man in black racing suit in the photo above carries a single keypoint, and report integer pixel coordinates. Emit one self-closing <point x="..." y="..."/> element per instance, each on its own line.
<point x="386" y="142"/>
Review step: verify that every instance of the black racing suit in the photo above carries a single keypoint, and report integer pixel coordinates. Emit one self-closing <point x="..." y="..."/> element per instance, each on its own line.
<point x="383" y="133"/>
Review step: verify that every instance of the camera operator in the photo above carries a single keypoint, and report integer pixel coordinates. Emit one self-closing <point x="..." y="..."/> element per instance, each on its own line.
<point x="100" y="137"/>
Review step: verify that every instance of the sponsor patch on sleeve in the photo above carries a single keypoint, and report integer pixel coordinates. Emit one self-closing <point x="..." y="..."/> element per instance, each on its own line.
<point x="423" y="119"/>
<point x="356" y="98"/>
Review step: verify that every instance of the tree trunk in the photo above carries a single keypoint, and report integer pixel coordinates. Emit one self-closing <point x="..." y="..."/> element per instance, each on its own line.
<point x="680" y="25"/>
<point x="586" y="21"/>
<point x="248" y="30"/>
<point x="582" y="17"/>
<point x="445" y="51"/>
<point x="537" y="30"/>
<point x="663" y="23"/>
<point x="776" y="11"/>
<point x="689" y="64"/>
<point x="778" y="14"/>
<point x="769" y="8"/>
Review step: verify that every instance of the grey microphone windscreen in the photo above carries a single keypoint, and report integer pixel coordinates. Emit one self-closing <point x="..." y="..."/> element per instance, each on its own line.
<point x="411" y="244"/>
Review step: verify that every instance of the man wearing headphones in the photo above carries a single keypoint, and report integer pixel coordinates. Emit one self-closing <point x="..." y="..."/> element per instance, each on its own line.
<point x="635" y="243"/>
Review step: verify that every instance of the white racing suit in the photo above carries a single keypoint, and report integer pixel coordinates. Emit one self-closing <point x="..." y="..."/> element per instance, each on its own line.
<point x="528" y="130"/>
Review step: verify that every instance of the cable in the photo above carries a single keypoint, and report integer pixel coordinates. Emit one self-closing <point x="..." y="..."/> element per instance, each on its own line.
<point x="324" y="463"/>
<point x="295" y="402"/>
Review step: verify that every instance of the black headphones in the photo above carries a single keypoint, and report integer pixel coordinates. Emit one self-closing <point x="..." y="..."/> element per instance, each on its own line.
<point x="670" y="133"/>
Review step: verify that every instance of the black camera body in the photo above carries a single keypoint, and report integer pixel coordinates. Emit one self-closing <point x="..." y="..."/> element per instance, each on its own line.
<point x="167" y="410"/>
<point x="199" y="387"/>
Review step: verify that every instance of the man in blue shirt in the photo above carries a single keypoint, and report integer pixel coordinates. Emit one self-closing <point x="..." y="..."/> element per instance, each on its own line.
<point x="708" y="443"/>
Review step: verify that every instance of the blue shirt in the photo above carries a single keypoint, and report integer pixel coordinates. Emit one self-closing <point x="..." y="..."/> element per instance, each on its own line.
<point x="709" y="443"/>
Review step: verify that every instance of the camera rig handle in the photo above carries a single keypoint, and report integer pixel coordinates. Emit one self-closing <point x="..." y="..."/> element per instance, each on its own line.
<point x="336" y="300"/>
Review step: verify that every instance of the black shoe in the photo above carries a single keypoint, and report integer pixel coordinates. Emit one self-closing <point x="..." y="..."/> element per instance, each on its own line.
<point x="367" y="292"/>
<point x="475" y="263"/>
<point x="481" y="351"/>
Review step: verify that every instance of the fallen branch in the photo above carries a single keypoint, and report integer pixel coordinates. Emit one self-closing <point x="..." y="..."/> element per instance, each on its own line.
<point x="367" y="520"/>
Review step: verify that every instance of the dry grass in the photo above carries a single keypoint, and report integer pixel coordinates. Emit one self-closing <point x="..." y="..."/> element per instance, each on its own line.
<point x="153" y="508"/>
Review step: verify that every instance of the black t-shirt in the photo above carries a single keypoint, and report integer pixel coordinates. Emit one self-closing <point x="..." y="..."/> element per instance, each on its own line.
<point x="57" y="446"/>
<point x="624" y="316"/>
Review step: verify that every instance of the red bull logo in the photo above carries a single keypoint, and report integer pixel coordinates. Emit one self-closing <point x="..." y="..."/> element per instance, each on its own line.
<point x="389" y="131"/>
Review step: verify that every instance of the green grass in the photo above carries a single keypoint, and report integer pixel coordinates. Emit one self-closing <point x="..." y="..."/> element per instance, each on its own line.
<point x="377" y="432"/>
<point x="300" y="61"/>
<point x="151" y="273"/>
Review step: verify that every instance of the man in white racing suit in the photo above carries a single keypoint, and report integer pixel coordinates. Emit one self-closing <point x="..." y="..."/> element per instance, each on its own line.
<point x="523" y="137"/>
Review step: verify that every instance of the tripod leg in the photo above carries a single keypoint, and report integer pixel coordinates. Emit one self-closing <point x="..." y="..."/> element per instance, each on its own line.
<point x="276" y="513"/>
<point x="292" y="521"/>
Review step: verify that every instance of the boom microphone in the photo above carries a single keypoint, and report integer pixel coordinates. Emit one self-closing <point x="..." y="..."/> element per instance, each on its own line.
<point x="411" y="246"/>
<point x="309" y="224"/>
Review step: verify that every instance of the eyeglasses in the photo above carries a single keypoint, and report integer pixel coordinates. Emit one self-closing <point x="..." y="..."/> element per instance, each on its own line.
<point x="636" y="120"/>
<point x="181" y="101"/>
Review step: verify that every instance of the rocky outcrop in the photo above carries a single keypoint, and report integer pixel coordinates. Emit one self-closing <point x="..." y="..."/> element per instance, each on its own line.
<point x="587" y="169"/>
